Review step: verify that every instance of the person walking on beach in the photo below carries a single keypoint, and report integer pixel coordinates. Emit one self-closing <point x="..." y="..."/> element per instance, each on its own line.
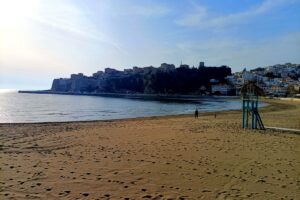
<point x="196" y="113"/>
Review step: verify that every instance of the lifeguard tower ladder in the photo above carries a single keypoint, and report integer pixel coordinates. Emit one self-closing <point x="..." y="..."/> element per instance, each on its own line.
<point x="250" y="92"/>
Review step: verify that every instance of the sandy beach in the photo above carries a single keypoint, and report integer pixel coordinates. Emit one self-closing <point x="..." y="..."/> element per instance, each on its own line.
<point x="174" y="157"/>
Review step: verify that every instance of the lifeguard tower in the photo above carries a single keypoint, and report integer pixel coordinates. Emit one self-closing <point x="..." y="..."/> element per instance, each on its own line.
<point x="250" y="93"/>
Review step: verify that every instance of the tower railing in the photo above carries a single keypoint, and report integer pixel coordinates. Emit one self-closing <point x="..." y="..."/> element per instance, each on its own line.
<point x="250" y="108"/>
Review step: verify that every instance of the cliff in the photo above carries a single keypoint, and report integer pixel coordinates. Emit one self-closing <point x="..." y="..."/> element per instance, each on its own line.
<point x="166" y="79"/>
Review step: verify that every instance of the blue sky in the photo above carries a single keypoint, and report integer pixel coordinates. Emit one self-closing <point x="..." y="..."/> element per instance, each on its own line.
<point x="41" y="40"/>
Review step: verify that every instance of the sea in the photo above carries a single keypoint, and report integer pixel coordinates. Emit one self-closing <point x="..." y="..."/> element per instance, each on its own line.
<point x="28" y="108"/>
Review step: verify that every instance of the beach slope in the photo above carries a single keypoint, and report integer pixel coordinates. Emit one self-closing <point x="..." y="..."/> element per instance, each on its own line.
<point x="176" y="157"/>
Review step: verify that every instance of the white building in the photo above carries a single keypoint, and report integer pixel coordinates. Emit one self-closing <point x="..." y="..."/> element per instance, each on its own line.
<point x="223" y="89"/>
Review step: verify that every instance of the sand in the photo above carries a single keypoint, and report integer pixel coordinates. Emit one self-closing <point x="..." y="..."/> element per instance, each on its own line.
<point x="175" y="157"/>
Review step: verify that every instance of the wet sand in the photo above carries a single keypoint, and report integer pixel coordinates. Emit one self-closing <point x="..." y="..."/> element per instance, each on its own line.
<point x="176" y="157"/>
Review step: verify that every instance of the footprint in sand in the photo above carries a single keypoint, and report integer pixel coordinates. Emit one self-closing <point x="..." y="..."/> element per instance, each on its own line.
<point x="85" y="194"/>
<point x="147" y="197"/>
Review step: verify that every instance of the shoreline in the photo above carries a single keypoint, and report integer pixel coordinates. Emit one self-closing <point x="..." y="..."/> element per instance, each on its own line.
<point x="121" y="119"/>
<point x="127" y="119"/>
<point x="271" y="105"/>
<point x="181" y="109"/>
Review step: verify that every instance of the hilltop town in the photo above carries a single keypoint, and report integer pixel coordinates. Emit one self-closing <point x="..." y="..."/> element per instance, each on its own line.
<point x="276" y="80"/>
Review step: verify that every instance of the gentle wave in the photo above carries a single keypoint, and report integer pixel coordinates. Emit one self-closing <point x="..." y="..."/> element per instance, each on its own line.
<point x="21" y="107"/>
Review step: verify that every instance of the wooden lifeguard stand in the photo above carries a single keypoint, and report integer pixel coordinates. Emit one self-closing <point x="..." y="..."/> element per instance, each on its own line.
<point x="250" y="93"/>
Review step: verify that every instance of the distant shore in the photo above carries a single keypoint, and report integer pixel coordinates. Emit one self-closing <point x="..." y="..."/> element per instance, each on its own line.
<point x="149" y="96"/>
<point x="130" y="95"/>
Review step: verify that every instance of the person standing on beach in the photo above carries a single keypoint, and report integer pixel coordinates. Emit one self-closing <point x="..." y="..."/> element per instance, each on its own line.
<point x="196" y="113"/>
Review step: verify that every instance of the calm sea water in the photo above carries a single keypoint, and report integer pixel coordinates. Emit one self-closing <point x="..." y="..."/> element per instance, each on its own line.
<point x="19" y="107"/>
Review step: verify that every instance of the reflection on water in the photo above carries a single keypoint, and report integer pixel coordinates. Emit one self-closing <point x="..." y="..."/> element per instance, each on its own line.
<point x="20" y="107"/>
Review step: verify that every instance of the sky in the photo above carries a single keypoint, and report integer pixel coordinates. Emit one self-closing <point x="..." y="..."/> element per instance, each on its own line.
<point x="45" y="39"/>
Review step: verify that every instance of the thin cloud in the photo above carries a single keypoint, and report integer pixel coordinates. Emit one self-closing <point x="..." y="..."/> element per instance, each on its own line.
<point x="131" y="8"/>
<point x="201" y="18"/>
<point x="150" y="10"/>
<point x="237" y="53"/>
<point x="79" y="31"/>
<point x="69" y="18"/>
